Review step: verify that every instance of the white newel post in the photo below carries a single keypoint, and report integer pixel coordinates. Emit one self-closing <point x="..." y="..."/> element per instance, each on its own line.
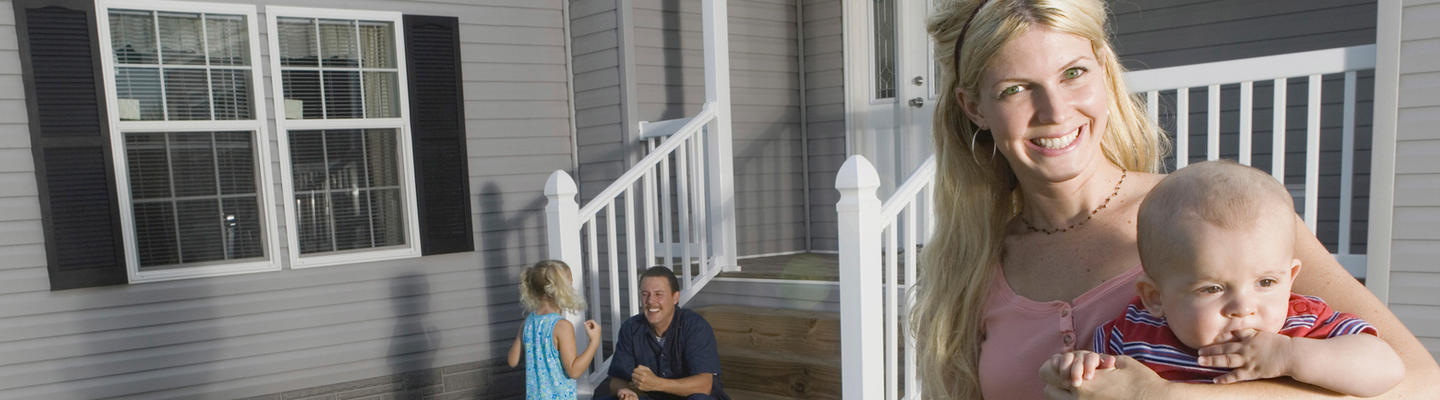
<point x="717" y="141"/>
<point x="861" y="340"/>
<point x="562" y="235"/>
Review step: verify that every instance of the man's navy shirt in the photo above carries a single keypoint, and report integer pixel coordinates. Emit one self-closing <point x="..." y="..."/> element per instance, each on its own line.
<point x="688" y="349"/>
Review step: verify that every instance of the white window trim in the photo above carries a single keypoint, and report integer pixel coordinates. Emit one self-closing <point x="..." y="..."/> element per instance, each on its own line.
<point x="411" y="248"/>
<point x="257" y="125"/>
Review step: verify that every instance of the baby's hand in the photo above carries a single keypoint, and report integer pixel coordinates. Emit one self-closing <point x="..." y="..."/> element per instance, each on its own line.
<point x="1253" y="355"/>
<point x="592" y="329"/>
<point x="1080" y="365"/>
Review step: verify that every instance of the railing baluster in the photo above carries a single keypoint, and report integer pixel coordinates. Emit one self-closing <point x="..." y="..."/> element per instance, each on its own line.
<point x="1277" y="132"/>
<point x="892" y="310"/>
<point x="1347" y="162"/>
<point x="614" y="266"/>
<point x="1312" y="154"/>
<point x="648" y="204"/>
<point x="665" y="225"/>
<point x="1182" y="127"/>
<point x="698" y="192"/>
<point x="630" y="239"/>
<point x="1212" y="124"/>
<point x="594" y="281"/>
<point x="1152" y="106"/>
<point x="1247" y="116"/>
<point x="929" y="217"/>
<point x="682" y="189"/>
<point x="911" y="248"/>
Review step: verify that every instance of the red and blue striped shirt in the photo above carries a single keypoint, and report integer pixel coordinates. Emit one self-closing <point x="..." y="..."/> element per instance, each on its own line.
<point x="1148" y="339"/>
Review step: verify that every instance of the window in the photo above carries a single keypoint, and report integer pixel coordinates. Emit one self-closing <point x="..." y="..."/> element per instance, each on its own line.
<point x="186" y="134"/>
<point x="345" y="134"/>
<point x="153" y="160"/>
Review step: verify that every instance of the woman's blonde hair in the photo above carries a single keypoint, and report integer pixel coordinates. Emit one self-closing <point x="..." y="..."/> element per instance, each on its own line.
<point x="976" y="192"/>
<point x="547" y="282"/>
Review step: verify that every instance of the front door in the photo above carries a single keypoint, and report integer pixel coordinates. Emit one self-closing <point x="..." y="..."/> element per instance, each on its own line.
<point x="892" y="86"/>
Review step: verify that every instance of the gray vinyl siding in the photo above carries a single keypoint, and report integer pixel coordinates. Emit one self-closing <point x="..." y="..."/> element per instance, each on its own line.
<point x="1414" y="274"/>
<point x="600" y="128"/>
<point x="825" y="114"/>
<point x="1166" y="33"/>
<point x="262" y="333"/>
<point x="670" y="83"/>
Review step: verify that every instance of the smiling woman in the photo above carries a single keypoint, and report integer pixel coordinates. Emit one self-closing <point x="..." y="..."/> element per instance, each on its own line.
<point x="1035" y="247"/>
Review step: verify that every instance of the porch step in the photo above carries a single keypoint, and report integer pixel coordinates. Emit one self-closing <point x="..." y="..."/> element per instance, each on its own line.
<point x="789" y="354"/>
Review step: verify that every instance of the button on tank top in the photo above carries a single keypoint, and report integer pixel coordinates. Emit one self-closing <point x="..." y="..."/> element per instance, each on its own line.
<point x="1021" y="334"/>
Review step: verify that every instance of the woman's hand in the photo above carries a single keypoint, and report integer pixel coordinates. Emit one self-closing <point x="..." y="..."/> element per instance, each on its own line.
<point x="1128" y="380"/>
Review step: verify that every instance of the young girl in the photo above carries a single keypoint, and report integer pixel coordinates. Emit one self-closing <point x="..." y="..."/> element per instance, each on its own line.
<point x="551" y="364"/>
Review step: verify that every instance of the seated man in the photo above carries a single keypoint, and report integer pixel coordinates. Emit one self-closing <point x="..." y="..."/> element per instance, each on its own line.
<point x="665" y="352"/>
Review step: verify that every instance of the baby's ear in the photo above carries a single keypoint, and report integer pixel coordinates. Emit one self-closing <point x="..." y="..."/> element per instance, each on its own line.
<point x="1294" y="269"/>
<point x="1150" y="296"/>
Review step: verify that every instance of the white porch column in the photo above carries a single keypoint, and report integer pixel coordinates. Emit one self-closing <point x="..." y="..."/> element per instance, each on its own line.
<point x="861" y="340"/>
<point x="562" y="234"/>
<point x="721" y="175"/>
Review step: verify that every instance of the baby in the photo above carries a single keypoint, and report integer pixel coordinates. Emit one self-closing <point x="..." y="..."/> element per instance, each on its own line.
<point x="1217" y="243"/>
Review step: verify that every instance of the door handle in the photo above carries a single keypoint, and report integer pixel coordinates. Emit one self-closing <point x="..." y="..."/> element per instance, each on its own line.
<point x="917" y="102"/>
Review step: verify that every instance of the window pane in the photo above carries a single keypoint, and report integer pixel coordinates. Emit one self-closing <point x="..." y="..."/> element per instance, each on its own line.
<point x="313" y="217"/>
<point x="377" y="44"/>
<point x="230" y="88"/>
<point x="155" y="234"/>
<point x="382" y="157"/>
<point x="884" y="27"/>
<point x="352" y="219"/>
<point x="191" y="226"/>
<point x="388" y="222"/>
<point x="235" y="156"/>
<point x="137" y="92"/>
<point x="307" y="160"/>
<point x="228" y="38"/>
<point x="345" y="153"/>
<point x="187" y="94"/>
<point x="180" y="39"/>
<point x="347" y="192"/>
<point x="147" y="165"/>
<point x="244" y="237"/>
<point x="193" y="164"/>
<point x="132" y="37"/>
<point x="337" y="44"/>
<point x="342" y="94"/>
<point x="382" y="95"/>
<point x="302" y="95"/>
<point x="200" y="231"/>
<point x="297" y="42"/>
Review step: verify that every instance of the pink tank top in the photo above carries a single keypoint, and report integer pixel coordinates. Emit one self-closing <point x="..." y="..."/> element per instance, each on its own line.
<point x="1021" y="334"/>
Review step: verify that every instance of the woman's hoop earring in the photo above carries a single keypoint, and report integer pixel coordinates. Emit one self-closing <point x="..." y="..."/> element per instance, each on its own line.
<point x="972" y="145"/>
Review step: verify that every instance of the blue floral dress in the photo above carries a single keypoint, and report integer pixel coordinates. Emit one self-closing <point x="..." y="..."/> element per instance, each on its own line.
<point x="545" y="377"/>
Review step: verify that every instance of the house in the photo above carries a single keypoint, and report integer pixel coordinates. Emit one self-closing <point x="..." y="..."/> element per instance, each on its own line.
<point x="313" y="198"/>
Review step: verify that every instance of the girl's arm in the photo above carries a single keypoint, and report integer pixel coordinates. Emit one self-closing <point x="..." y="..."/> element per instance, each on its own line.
<point x="1322" y="277"/>
<point x="517" y="348"/>
<point x="565" y="342"/>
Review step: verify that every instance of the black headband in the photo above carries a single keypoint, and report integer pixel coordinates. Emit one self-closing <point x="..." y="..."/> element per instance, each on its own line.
<point x="959" y="40"/>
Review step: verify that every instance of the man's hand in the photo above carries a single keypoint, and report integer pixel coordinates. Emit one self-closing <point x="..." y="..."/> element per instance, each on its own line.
<point x="627" y="394"/>
<point x="1253" y="355"/>
<point x="645" y="379"/>
<point x="1078" y="366"/>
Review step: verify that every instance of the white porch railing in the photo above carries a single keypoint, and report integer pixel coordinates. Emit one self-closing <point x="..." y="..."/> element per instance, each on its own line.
<point x="872" y="306"/>
<point x="694" y="225"/>
<point x="872" y="319"/>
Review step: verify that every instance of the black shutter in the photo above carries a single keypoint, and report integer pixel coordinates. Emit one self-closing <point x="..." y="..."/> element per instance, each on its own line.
<point x="437" y="126"/>
<point x="70" y="139"/>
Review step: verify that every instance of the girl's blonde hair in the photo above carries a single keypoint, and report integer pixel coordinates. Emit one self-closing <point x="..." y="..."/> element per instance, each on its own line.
<point x="976" y="192"/>
<point x="548" y="282"/>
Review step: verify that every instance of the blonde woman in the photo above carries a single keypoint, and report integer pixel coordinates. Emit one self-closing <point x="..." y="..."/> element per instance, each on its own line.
<point x="1043" y="160"/>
